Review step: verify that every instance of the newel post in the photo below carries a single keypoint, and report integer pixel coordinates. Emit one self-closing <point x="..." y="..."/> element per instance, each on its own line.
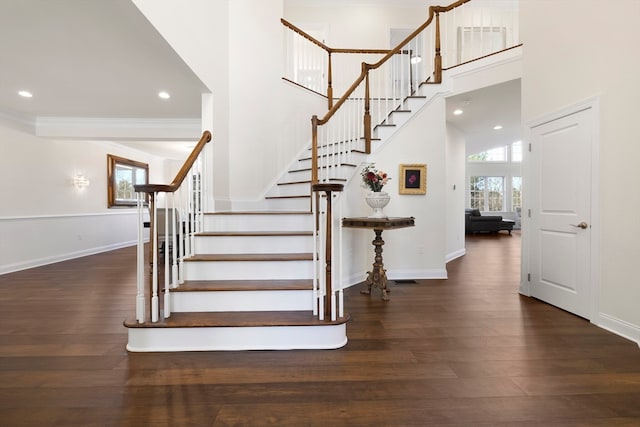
<point x="328" y="188"/>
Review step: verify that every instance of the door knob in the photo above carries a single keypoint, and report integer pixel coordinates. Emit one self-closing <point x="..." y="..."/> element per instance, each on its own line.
<point x="582" y="225"/>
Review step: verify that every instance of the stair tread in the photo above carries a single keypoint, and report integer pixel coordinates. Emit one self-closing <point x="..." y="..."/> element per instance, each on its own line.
<point x="301" y="196"/>
<point x="254" y="233"/>
<point x="251" y="257"/>
<point x="237" y="319"/>
<point x="259" y="213"/>
<point x="244" y="285"/>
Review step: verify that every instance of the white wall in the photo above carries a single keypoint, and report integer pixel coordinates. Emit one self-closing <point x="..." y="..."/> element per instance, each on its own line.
<point x="455" y="189"/>
<point x="354" y="26"/>
<point x="199" y="33"/>
<point x="43" y="217"/>
<point x="571" y="54"/>
<point x="409" y="253"/>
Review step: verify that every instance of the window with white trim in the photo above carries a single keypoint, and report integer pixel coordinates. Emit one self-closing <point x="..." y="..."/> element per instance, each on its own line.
<point x="486" y="193"/>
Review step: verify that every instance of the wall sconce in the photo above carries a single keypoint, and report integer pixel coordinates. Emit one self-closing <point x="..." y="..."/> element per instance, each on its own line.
<point x="80" y="181"/>
<point x="416" y="59"/>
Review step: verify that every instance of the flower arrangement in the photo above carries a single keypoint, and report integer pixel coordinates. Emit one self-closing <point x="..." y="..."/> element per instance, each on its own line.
<point x="373" y="178"/>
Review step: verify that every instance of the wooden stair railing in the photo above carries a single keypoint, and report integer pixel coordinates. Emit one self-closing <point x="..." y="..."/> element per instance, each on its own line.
<point x="405" y="47"/>
<point x="194" y="201"/>
<point x="329" y="51"/>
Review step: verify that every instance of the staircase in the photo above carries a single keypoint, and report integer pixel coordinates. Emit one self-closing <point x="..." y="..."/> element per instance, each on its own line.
<point x="253" y="280"/>
<point x="249" y="283"/>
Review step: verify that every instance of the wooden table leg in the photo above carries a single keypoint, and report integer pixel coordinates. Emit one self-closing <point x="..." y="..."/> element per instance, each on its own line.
<point x="378" y="275"/>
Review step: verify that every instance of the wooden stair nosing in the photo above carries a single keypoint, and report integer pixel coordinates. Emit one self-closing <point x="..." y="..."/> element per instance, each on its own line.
<point x="309" y="182"/>
<point x="237" y="319"/>
<point x="308" y="256"/>
<point x="253" y="233"/>
<point x="306" y="181"/>
<point x="244" y="285"/>
<point x="323" y="167"/>
<point x="301" y="196"/>
<point x="259" y="213"/>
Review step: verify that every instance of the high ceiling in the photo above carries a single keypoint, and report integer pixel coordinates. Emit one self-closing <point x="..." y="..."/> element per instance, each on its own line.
<point x="483" y="109"/>
<point x="103" y="59"/>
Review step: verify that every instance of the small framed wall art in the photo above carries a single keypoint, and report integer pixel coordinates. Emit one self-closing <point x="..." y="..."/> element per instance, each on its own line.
<point x="413" y="179"/>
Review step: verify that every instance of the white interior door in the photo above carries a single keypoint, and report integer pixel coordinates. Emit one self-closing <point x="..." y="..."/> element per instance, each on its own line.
<point x="560" y="218"/>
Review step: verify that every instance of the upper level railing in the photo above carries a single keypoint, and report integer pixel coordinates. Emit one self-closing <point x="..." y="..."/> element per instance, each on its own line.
<point x="181" y="218"/>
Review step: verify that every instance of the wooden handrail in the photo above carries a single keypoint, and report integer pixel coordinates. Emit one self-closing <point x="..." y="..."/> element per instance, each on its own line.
<point x="182" y="173"/>
<point x="434" y="11"/>
<point x="329" y="51"/>
<point x="327" y="48"/>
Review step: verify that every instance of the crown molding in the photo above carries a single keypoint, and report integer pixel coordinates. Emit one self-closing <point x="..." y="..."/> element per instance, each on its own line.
<point x="117" y="128"/>
<point x="14" y="120"/>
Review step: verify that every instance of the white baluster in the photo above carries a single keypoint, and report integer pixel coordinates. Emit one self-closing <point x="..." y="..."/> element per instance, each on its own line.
<point x="175" y="246"/>
<point x="167" y="258"/>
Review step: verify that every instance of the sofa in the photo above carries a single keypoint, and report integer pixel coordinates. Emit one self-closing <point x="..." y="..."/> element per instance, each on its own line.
<point x="475" y="222"/>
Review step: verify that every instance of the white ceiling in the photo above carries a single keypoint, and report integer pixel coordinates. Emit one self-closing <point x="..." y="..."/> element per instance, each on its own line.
<point x="103" y="59"/>
<point x="482" y="110"/>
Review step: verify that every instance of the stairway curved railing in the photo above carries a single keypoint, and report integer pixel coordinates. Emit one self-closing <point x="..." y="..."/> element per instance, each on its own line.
<point x="182" y="218"/>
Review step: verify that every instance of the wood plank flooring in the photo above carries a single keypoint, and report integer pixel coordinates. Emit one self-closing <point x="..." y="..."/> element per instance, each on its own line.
<point x="467" y="351"/>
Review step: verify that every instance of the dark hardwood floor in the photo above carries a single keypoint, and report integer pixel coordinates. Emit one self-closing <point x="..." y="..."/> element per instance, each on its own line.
<point x="467" y="351"/>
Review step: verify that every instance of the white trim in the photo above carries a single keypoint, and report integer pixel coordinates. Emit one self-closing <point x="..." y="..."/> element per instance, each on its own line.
<point x="455" y="255"/>
<point x="358" y="278"/>
<point x="32" y="263"/>
<point x="619" y="327"/>
<point x="120" y="211"/>
<point x="100" y="128"/>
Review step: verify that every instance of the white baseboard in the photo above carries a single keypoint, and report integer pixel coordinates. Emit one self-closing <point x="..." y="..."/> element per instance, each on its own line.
<point x="11" y="268"/>
<point x="357" y="278"/>
<point x="619" y="327"/>
<point x="455" y="254"/>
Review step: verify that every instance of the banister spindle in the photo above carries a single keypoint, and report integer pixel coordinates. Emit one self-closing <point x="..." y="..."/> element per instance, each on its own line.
<point x="329" y="80"/>
<point x="367" y="112"/>
<point x="438" y="59"/>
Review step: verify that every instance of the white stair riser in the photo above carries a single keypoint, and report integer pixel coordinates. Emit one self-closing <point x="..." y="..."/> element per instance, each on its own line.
<point x="285" y="222"/>
<point x="253" y="244"/>
<point x="297" y="189"/>
<point x="296" y="204"/>
<point x="399" y="118"/>
<point x="248" y="270"/>
<point x="297" y="175"/>
<point x="414" y="104"/>
<point x="268" y="300"/>
<point x="237" y="338"/>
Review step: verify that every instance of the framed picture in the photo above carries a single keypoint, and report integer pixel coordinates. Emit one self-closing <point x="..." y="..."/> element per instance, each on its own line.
<point x="413" y="179"/>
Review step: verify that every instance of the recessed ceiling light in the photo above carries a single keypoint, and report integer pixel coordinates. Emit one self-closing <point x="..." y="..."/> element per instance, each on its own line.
<point x="457" y="112"/>
<point x="497" y="127"/>
<point x="164" y="95"/>
<point x="25" y="94"/>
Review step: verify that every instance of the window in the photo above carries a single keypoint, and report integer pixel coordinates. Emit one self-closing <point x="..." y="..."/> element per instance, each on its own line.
<point x="498" y="154"/>
<point x="516" y="152"/>
<point x="486" y="193"/>
<point x="516" y="192"/>
<point x="122" y="175"/>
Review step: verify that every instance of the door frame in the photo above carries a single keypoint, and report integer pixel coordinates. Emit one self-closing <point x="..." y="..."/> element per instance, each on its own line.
<point x="528" y="176"/>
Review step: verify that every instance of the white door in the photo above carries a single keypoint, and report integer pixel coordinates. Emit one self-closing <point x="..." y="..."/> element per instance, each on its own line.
<point x="560" y="211"/>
